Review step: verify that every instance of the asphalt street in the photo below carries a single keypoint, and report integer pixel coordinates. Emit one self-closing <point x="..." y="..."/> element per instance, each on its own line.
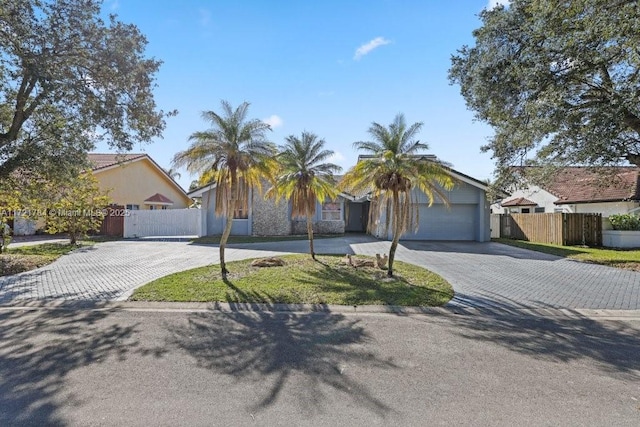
<point x="181" y="367"/>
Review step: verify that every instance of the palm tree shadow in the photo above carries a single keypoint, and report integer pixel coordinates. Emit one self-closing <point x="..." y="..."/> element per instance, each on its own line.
<point x="280" y="350"/>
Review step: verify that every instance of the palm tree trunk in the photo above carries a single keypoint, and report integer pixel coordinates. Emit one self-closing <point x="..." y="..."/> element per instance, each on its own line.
<point x="396" y="233"/>
<point x="223" y="240"/>
<point x="310" y="234"/>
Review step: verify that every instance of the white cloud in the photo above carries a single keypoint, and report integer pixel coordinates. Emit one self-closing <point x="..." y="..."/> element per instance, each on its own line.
<point x="369" y="46"/>
<point x="495" y="3"/>
<point x="115" y="5"/>
<point x="273" y="121"/>
<point x="337" y="157"/>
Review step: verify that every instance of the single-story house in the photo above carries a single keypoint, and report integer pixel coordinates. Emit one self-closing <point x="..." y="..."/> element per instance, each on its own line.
<point x="137" y="182"/>
<point x="577" y="189"/>
<point x="466" y="218"/>
<point x="134" y="181"/>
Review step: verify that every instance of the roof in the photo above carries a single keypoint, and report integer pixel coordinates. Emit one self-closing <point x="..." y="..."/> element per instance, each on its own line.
<point x="104" y="160"/>
<point x="580" y="184"/>
<point x="158" y="199"/>
<point x="520" y="201"/>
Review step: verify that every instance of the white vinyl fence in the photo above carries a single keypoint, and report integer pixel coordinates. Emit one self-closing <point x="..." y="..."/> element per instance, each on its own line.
<point x="169" y="222"/>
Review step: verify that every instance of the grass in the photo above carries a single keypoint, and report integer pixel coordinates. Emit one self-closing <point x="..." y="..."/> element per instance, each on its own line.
<point x="620" y="258"/>
<point x="25" y="258"/>
<point x="302" y="280"/>
<point x="215" y="240"/>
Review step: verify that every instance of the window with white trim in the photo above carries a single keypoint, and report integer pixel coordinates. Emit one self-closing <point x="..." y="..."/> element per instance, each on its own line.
<point x="133" y="207"/>
<point x="331" y="211"/>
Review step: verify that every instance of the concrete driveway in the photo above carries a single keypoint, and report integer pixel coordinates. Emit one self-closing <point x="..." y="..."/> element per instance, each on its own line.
<point x="488" y="275"/>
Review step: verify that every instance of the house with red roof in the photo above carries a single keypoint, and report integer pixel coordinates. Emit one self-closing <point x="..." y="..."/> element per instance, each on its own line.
<point x="577" y="189"/>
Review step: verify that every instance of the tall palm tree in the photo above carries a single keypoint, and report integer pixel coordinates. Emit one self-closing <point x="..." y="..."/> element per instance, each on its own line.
<point x="235" y="155"/>
<point x="391" y="170"/>
<point x="304" y="178"/>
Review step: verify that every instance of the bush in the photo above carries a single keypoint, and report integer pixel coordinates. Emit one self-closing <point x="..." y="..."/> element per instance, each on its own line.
<point x="625" y="222"/>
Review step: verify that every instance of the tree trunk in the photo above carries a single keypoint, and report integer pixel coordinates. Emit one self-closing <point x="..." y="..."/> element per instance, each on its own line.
<point x="396" y="232"/>
<point x="72" y="238"/>
<point x="224" y="238"/>
<point x="310" y="234"/>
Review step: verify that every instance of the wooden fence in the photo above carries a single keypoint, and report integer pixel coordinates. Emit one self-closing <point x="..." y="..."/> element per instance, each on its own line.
<point x="554" y="228"/>
<point x="113" y="223"/>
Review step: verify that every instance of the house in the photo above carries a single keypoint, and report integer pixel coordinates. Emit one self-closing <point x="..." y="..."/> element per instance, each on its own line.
<point x="134" y="181"/>
<point x="578" y="189"/>
<point x="466" y="218"/>
<point x="266" y="217"/>
<point x="137" y="182"/>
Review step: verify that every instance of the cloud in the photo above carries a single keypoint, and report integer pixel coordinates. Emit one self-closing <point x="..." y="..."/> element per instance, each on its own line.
<point x="115" y="5"/>
<point x="205" y="17"/>
<point x="495" y="3"/>
<point x="273" y="121"/>
<point x="369" y="46"/>
<point x="336" y="157"/>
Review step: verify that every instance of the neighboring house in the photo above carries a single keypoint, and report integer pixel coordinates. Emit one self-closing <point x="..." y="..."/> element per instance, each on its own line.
<point x="578" y="190"/>
<point x="134" y="181"/>
<point x="137" y="182"/>
<point x="466" y="218"/>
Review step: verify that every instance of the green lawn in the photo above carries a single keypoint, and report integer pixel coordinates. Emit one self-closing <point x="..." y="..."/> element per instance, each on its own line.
<point x="302" y="280"/>
<point x="24" y="258"/>
<point x="621" y="258"/>
<point x="215" y="240"/>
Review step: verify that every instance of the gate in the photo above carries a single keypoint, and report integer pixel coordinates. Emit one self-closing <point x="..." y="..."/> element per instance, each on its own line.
<point x="169" y="222"/>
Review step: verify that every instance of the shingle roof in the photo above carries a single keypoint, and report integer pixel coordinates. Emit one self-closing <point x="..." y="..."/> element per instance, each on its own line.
<point x="159" y="198"/>
<point x="520" y="201"/>
<point x="579" y="184"/>
<point x="100" y="160"/>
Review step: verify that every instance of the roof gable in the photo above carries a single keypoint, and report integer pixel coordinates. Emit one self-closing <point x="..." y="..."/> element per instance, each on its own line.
<point x="107" y="161"/>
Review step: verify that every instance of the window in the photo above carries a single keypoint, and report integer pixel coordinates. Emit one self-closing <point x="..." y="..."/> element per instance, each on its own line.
<point x="525" y="210"/>
<point x="331" y="211"/>
<point x="538" y="210"/>
<point x="241" y="211"/>
<point x="133" y="207"/>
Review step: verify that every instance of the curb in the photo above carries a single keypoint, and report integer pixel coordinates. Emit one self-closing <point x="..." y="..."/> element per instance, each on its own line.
<point x="220" y="307"/>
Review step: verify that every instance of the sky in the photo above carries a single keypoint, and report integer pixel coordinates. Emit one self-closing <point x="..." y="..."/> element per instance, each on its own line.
<point x="329" y="67"/>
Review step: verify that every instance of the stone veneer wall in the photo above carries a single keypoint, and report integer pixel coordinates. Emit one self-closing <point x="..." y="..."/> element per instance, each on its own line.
<point x="269" y="218"/>
<point x="319" y="227"/>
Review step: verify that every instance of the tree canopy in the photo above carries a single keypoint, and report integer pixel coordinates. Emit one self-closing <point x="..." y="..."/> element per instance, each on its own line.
<point x="559" y="81"/>
<point x="69" y="80"/>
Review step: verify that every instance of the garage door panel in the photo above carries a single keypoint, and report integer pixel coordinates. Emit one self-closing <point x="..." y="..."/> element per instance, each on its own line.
<point x="458" y="222"/>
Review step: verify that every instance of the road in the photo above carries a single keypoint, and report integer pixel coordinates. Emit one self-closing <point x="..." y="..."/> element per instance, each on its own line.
<point x="139" y="366"/>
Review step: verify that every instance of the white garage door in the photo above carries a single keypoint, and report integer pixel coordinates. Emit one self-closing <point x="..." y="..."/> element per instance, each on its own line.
<point x="458" y="222"/>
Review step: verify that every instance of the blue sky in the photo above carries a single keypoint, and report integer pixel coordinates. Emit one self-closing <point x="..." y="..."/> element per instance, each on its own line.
<point x="329" y="67"/>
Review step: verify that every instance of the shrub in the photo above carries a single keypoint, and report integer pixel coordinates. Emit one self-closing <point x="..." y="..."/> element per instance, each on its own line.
<point x="625" y="222"/>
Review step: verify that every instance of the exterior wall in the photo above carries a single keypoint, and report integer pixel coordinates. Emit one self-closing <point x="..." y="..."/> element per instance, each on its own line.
<point x="606" y="209"/>
<point x="299" y="226"/>
<point x="268" y="217"/>
<point x="132" y="183"/>
<point x="215" y="224"/>
<point x="543" y="198"/>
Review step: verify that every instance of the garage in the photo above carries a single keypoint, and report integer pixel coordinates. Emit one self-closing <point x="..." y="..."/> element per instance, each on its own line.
<point x="437" y="222"/>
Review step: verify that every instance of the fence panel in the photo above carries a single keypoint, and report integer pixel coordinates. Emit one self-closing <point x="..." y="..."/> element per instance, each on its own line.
<point x="554" y="228"/>
<point x="169" y="222"/>
<point x="113" y="223"/>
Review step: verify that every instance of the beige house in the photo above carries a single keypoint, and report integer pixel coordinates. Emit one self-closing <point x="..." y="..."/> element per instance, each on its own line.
<point x="137" y="182"/>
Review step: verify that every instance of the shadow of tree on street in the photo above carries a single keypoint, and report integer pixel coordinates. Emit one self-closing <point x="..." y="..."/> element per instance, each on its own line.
<point x="37" y="352"/>
<point x="311" y="352"/>
<point x="613" y="345"/>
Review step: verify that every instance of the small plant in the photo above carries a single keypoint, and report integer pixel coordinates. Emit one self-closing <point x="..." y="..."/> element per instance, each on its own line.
<point x="625" y="222"/>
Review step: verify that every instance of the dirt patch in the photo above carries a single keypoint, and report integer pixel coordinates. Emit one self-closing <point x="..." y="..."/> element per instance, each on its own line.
<point x="14" y="263"/>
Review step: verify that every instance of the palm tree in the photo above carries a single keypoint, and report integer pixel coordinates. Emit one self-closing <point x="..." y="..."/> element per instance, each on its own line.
<point x="303" y="178"/>
<point x="173" y="173"/>
<point x="234" y="155"/>
<point x="391" y="171"/>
